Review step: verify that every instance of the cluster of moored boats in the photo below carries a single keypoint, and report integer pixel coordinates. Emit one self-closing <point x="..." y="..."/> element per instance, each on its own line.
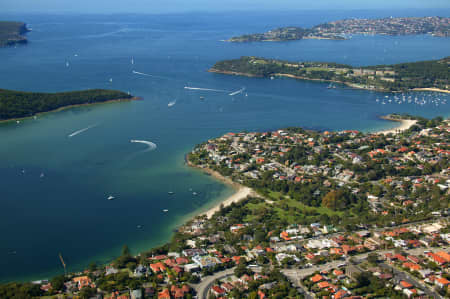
<point x="421" y="99"/>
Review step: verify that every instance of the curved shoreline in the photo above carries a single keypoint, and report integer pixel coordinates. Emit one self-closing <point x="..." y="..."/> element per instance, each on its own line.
<point x="68" y="107"/>
<point x="241" y="192"/>
<point x="404" y="124"/>
<point x="352" y="85"/>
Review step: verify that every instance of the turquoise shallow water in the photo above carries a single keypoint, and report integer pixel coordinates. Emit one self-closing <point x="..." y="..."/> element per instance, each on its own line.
<point x="67" y="209"/>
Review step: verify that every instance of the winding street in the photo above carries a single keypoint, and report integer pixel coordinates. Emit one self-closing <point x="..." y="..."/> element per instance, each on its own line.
<point x="203" y="287"/>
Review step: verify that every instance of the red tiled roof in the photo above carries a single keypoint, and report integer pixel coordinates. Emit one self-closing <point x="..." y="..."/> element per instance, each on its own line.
<point x="218" y="290"/>
<point x="164" y="294"/>
<point x="443" y="281"/>
<point x="158" y="267"/>
<point x="340" y="294"/>
<point x="316" y="278"/>
<point x="412" y="266"/>
<point x="436" y="258"/>
<point x="406" y="284"/>
<point x="323" y="284"/>
<point x="444" y="255"/>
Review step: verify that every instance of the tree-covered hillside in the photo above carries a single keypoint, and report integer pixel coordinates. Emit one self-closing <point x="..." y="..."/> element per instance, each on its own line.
<point x="397" y="77"/>
<point x="15" y="104"/>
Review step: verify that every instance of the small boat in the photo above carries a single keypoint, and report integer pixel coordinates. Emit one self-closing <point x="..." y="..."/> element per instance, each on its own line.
<point x="17" y="121"/>
<point x="67" y="64"/>
<point x="272" y="77"/>
<point x="132" y="60"/>
<point x="202" y="98"/>
<point x="139" y="226"/>
<point x="170" y="104"/>
<point x="165" y="210"/>
<point x="42" y="175"/>
<point x="171" y="193"/>
<point x="194" y="193"/>
<point x="111" y="197"/>
<point x="110" y="80"/>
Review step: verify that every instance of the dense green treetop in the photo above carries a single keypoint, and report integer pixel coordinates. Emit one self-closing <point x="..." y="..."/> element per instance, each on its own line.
<point x="397" y="77"/>
<point x="16" y="104"/>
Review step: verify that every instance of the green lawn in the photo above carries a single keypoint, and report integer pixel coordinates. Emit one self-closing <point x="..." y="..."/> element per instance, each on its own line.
<point x="291" y="215"/>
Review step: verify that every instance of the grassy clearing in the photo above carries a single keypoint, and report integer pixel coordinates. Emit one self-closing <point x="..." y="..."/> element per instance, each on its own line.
<point x="286" y="208"/>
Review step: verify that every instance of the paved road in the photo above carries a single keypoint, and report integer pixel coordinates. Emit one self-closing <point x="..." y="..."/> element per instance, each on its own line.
<point x="203" y="287"/>
<point x="401" y="275"/>
<point x="294" y="279"/>
<point x="296" y="275"/>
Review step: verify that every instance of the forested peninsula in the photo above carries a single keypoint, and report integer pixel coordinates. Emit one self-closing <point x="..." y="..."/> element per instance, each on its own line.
<point x="429" y="75"/>
<point x="12" y="33"/>
<point x="343" y="29"/>
<point x="19" y="104"/>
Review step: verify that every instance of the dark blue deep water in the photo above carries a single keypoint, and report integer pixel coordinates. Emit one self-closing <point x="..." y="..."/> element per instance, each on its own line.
<point x="66" y="210"/>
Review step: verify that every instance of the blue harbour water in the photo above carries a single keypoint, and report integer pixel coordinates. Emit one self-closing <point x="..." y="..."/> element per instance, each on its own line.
<point x="54" y="188"/>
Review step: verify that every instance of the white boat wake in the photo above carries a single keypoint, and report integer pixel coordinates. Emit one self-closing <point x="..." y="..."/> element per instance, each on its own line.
<point x="204" y="89"/>
<point x="151" y="145"/>
<point x="81" y="131"/>
<point x="149" y="75"/>
<point x="237" y="92"/>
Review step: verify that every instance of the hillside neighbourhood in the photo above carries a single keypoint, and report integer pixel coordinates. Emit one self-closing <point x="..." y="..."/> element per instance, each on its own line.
<point x="332" y="215"/>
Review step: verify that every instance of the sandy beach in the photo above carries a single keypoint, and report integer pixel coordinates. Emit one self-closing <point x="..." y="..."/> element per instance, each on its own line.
<point x="240" y="194"/>
<point x="432" y="89"/>
<point x="241" y="191"/>
<point x="404" y="124"/>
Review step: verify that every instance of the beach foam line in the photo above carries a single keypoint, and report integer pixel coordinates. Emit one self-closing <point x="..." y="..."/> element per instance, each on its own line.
<point x="204" y="89"/>
<point x="81" y="131"/>
<point x="151" y="145"/>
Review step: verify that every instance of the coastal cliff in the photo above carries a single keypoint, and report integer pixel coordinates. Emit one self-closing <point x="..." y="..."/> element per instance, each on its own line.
<point x="12" y="33"/>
